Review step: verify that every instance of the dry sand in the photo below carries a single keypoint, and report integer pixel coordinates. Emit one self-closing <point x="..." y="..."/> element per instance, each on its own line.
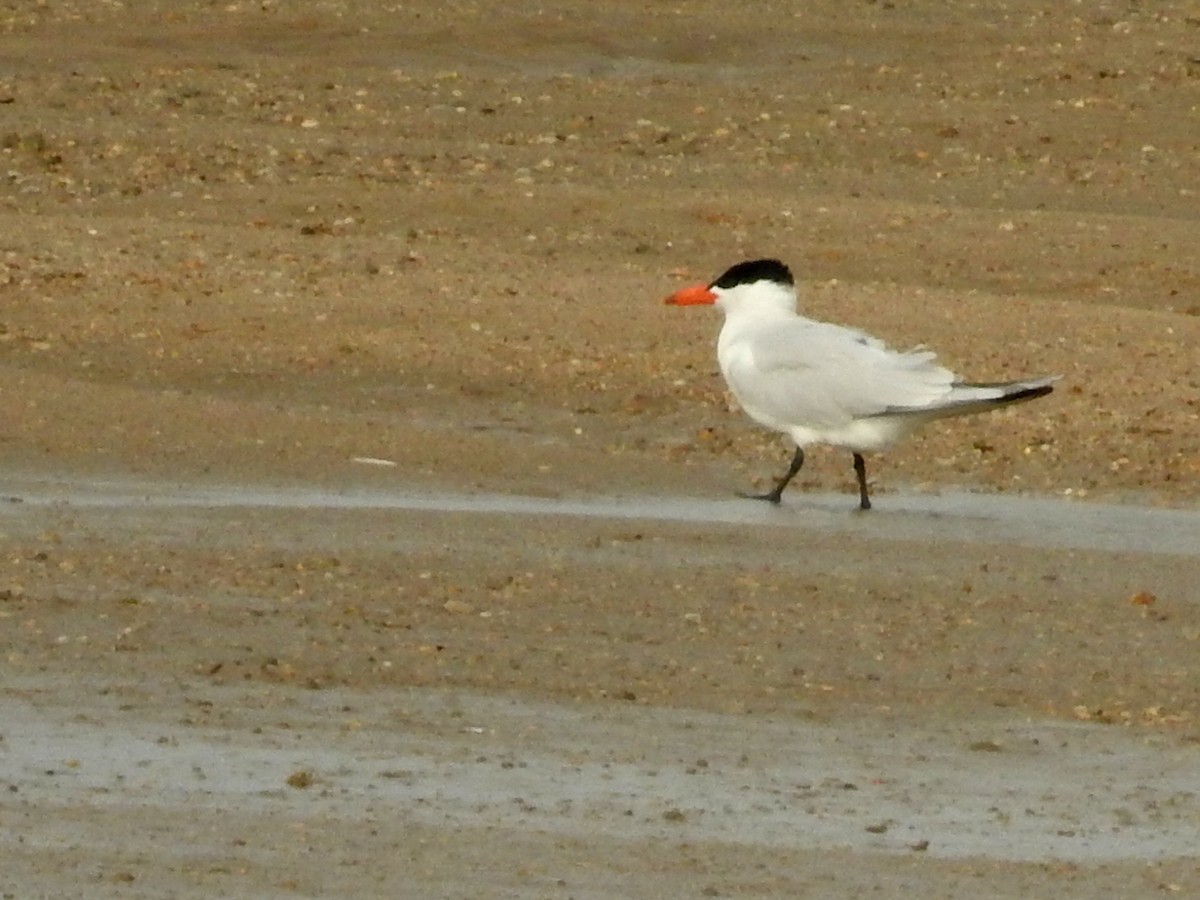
<point x="369" y="525"/>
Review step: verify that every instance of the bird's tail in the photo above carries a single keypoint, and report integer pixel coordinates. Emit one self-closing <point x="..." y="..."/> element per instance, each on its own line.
<point x="970" y="398"/>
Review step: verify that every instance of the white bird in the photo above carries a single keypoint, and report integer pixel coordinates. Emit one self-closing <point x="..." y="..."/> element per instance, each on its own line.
<point x="825" y="384"/>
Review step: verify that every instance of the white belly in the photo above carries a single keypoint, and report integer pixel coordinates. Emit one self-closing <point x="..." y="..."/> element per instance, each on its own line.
<point x="862" y="435"/>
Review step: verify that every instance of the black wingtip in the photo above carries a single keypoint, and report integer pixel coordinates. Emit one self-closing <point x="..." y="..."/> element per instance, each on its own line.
<point x="755" y="270"/>
<point x="1013" y="391"/>
<point x="1028" y="393"/>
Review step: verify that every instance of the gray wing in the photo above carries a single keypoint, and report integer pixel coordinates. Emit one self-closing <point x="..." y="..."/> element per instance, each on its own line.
<point x="825" y="375"/>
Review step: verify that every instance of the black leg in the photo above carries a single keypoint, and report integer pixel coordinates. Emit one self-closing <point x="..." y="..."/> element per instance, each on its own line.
<point x="776" y="493"/>
<point x="860" y="469"/>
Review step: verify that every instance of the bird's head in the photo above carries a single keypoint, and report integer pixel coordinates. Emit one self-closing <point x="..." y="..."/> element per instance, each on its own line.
<point x="752" y="281"/>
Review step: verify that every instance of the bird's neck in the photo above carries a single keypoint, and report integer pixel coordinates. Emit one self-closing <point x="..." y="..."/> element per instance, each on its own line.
<point x="766" y="309"/>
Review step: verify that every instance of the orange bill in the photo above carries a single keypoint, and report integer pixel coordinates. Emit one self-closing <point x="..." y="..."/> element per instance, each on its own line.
<point x="691" y="295"/>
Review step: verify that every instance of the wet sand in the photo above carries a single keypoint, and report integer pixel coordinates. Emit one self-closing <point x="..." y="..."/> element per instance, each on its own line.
<point x="392" y="681"/>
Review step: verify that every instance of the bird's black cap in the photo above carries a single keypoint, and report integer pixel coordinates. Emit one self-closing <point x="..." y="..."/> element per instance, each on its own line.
<point x="754" y="270"/>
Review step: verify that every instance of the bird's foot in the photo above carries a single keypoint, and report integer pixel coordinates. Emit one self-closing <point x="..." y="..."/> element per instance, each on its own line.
<point x="772" y="497"/>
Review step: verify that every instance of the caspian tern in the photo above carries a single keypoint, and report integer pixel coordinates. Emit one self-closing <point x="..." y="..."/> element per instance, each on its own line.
<point x="825" y="384"/>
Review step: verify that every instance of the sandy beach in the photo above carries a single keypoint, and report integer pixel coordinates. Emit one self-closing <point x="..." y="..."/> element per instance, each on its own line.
<point x="371" y="527"/>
